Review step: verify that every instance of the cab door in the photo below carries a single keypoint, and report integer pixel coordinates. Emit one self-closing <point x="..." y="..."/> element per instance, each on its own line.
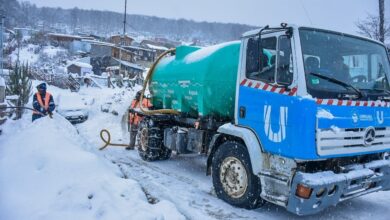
<point x="267" y="102"/>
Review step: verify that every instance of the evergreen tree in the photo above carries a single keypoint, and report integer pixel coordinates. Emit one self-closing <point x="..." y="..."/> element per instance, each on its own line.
<point x="20" y="86"/>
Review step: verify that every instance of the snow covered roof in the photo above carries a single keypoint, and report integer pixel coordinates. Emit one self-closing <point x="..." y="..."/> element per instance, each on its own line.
<point x="80" y="64"/>
<point x="112" y="68"/>
<point x="84" y="60"/>
<point x="65" y="36"/>
<point x="137" y="48"/>
<point x="121" y="35"/>
<point x="95" y="42"/>
<point x="155" y="47"/>
<point x="69" y="36"/>
<point x="132" y="65"/>
<point x="10" y="31"/>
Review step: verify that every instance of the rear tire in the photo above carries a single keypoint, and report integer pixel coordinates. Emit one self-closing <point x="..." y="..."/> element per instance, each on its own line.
<point x="233" y="178"/>
<point x="151" y="147"/>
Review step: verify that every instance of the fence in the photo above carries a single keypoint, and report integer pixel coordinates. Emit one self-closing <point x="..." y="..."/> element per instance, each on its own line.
<point x="63" y="81"/>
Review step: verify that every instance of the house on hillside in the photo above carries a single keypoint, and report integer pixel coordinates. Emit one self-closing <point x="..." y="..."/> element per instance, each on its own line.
<point x="74" y="43"/>
<point x="79" y="68"/>
<point x="157" y="46"/>
<point x="130" y="70"/>
<point x="120" y="40"/>
<point x="102" y="55"/>
<point x="122" y="54"/>
<point x="100" y="49"/>
<point x="142" y="54"/>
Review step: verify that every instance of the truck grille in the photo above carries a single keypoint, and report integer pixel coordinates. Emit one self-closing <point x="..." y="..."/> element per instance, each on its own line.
<point x="350" y="140"/>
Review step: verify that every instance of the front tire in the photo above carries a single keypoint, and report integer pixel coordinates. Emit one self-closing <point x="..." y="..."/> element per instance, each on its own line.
<point x="233" y="178"/>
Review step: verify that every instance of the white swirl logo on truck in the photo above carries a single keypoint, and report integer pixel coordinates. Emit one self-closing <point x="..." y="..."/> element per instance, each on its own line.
<point x="280" y="135"/>
<point x="379" y="117"/>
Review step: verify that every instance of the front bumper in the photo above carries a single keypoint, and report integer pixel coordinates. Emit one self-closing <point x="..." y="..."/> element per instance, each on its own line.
<point x="360" y="179"/>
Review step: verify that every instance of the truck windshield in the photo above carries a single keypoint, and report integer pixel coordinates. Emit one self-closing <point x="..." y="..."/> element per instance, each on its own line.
<point x="361" y="63"/>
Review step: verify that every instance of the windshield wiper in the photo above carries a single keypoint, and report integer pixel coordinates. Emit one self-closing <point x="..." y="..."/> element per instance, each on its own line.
<point x="336" y="81"/>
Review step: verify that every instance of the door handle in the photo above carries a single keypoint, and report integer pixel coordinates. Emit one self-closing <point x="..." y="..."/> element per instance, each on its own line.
<point x="242" y="112"/>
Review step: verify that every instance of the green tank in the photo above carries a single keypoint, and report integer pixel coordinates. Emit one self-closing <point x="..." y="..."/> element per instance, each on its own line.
<point x="198" y="81"/>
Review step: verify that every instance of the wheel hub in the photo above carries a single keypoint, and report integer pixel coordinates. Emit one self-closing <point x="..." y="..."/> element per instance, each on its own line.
<point x="233" y="177"/>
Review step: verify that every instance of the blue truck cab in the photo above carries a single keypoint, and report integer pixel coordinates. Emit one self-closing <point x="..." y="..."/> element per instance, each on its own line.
<point x="314" y="115"/>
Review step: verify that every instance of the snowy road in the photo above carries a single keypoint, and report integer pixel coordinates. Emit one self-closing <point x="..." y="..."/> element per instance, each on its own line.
<point x="182" y="181"/>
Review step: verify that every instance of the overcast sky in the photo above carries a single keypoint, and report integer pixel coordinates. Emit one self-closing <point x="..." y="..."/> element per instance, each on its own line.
<point x="339" y="15"/>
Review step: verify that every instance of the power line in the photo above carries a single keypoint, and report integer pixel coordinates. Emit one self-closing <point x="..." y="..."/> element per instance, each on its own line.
<point x="307" y="14"/>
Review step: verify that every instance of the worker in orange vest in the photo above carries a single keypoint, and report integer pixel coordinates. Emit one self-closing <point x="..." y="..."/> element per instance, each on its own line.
<point x="43" y="103"/>
<point x="134" y="118"/>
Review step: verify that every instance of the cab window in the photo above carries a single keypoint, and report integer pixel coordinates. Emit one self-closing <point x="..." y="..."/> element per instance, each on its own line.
<point x="265" y="60"/>
<point x="285" y="61"/>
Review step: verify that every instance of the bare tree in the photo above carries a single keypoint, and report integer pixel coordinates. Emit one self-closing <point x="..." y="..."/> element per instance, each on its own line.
<point x="375" y="26"/>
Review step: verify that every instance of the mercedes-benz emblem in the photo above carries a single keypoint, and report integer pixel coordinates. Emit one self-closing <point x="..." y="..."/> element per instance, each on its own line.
<point x="369" y="136"/>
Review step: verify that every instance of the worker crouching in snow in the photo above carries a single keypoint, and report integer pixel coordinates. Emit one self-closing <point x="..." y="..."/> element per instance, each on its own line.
<point x="134" y="118"/>
<point x="43" y="103"/>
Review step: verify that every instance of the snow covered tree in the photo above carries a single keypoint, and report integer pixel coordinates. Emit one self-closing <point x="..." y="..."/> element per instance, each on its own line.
<point x="19" y="86"/>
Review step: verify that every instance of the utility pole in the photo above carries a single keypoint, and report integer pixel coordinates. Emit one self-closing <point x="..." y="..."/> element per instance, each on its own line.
<point x="124" y="20"/>
<point x="1" y="42"/>
<point x="382" y="20"/>
<point x="123" y="38"/>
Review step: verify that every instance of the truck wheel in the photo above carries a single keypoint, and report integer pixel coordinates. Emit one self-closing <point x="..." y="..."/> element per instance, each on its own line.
<point x="233" y="179"/>
<point x="151" y="146"/>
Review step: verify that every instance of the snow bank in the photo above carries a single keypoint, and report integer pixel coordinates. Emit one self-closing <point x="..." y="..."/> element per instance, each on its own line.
<point x="45" y="174"/>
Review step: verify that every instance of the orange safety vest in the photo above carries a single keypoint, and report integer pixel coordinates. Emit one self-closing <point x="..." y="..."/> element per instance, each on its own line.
<point x="134" y="118"/>
<point x="43" y="105"/>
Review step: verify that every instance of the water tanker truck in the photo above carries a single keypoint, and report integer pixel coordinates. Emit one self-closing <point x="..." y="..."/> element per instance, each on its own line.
<point x="295" y="116"/>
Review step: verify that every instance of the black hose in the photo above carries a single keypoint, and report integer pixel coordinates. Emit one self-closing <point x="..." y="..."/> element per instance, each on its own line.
<point x="19" y="107"/>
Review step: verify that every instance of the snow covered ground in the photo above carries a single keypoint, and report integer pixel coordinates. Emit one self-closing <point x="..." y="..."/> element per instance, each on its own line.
<point x="26" y="54"/>
<point x="52" y="170"/>
<point x="47" y="173"/>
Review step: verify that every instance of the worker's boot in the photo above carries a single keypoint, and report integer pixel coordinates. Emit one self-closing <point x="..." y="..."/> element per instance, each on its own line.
<point x="133" y="136"/>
